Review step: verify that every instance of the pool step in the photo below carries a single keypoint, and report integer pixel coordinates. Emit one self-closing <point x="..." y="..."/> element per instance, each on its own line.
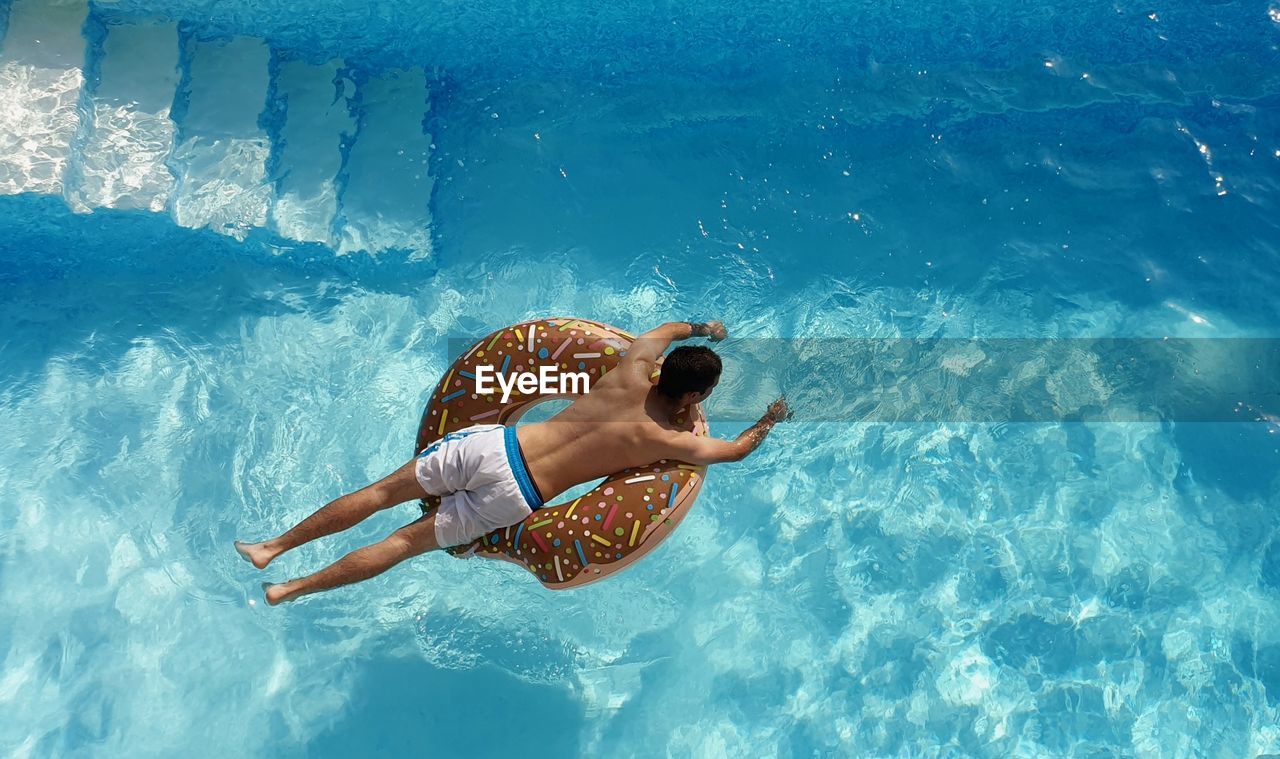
<point x="220" y="160"/>
<point x="41" y="76"/>
<point x="387" y="189"/>
<point x="122" y="161"/>
<point x="223" y="134"/>
<point x="316" y="105"/>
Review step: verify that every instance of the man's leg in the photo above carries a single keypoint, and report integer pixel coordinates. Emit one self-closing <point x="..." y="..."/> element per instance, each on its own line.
<point x="348" y="511"/>
<point x="408" y="541"/>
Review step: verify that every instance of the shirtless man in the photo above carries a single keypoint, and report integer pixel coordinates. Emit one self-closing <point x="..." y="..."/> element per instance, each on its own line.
<point x="624" y="421"/>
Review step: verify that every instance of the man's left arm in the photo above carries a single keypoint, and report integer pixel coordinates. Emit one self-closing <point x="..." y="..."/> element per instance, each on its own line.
<point x="647" y="348"/>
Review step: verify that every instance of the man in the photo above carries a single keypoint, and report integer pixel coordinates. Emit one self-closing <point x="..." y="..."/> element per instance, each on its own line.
<point x="624" y="421"/>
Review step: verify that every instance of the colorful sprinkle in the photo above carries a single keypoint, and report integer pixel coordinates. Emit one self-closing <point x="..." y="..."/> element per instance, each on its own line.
<point x="581" y="556"/>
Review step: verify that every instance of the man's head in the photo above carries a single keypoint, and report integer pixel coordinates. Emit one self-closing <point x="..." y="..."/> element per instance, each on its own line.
<point x="689" y="374"/>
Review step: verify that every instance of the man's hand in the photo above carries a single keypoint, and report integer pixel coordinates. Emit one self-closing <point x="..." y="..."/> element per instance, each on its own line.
<point x="716" y="331"/>
<point x="778" y="411"/>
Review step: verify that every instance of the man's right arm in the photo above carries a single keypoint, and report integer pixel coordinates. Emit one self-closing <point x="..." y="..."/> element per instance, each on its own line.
<point x="703" y="451"/>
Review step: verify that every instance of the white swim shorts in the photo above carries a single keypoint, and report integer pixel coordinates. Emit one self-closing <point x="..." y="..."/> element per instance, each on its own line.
<point x="482" y="480"/>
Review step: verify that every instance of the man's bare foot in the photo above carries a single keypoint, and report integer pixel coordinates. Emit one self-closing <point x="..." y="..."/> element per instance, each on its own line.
<point x="255" y="553"/>
<point x="276" y="594"/>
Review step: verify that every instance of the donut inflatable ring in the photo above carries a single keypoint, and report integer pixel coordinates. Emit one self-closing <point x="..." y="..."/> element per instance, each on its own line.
<point x="626" y="516"/>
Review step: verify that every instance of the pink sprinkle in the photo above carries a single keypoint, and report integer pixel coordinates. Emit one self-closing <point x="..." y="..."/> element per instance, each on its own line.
<point x="664" y="495"/>
<point x="560" y="526"/>
<point x="607" y="491"/>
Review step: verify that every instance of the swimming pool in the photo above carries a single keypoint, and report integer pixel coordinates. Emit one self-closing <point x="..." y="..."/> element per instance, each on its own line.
<point x="235" y="241"/>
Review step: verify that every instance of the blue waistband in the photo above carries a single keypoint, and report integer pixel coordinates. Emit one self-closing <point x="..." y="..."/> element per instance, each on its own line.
<point x="516" y="461"/>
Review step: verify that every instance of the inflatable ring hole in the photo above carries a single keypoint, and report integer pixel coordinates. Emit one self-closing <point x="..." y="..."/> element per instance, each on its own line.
<point x="577" y="491"/>
<point x="543" y="410"/>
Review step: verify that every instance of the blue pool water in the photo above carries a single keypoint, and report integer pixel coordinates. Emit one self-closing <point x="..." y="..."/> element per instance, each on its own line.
<point x="235" y="239"/>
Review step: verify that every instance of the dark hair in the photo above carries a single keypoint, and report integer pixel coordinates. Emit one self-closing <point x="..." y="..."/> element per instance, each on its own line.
<point x="688" y="369"/>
